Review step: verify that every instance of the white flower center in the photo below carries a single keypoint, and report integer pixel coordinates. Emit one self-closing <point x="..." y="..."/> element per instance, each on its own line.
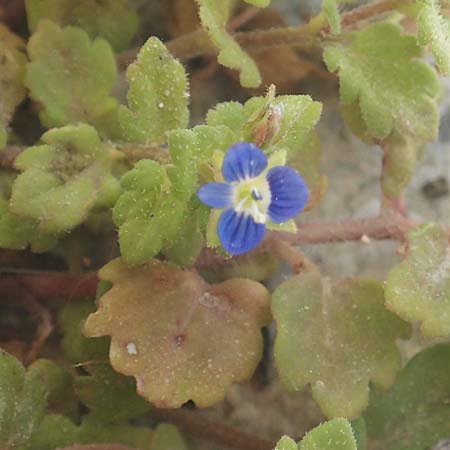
<point x="252" y="197"/>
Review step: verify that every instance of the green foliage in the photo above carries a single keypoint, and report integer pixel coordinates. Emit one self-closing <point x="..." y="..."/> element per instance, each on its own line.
<point x="396" y="94"/>
<point x="17" y="232"/>
<point x="65" y="178"/>
<point x="214" y="17"/>
<point x="330" y="8"/>
<point x="112" y="20"/>
<point x="12" y="73"/>
<point x="433" y="29"/>
<point x="71" y="77"/>
<point x="294" y="132"/>
<point x="22" y="403"/>
<point x="415" y="413"/>
<point x="167" y="437"/>
<point x="157" y="97"/>
<point x="158" y="318"/>
<point x="336" y="337"/>
<point x="418" y="289"/>
<point x="58" y="431"/>
<point x="335" y="434"/>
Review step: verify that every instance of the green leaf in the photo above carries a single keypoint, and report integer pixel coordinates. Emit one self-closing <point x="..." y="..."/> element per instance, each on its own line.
<point x="17" y="232"/>
<point x="12" y="73"/>
<point x="415" y="413"/>
<point x="57" y="431"/>
<point x="65" y="178"/>
<point x="433" y="29"/>
<point x="397" y="93"/>
<point x="330" y="8"/>
<point x="70" y="76"/>
<point x="112" y="20"/>
<point x="335" y="434"/>
<point x="214" y="17"/>
<point x="286" y="443"/>
<point x="167" y="437"/>
<point x="418" y="289"/>
<point x="77" y="347"/>
<point x="259" y="3"/>
<point x="147" y="213"/>
<point x="22" y="403"/>
<point x="157" y="96"/>
<point x="336" y="337"/>
<point x="178" y="336"/>
<point x="108" y="394"/>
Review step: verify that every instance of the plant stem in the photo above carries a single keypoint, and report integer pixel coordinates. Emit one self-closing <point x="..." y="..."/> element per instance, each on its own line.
<point x="304" y="37"/>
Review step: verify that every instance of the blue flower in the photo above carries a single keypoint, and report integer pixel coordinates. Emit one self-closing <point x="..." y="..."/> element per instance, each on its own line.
<point x="252" y="196"/>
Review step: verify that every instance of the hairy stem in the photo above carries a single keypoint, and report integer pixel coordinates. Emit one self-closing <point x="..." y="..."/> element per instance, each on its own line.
<point x="304" y="37"/>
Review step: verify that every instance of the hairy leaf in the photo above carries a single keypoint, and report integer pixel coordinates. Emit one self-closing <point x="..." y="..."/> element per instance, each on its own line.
<point x="415" y="413"/>
<point x="336" y="337"/>
<point x="112" y="20"/>
<point x="65" y="178"/>
<point x="157" y="96"/>
<point x="433" y="29"/>
<point x="17" y="232"/>
<point x="330" y="7"/>
<point x="418" y="289"/>
<point x="147" y="213"/>
<point x="335" y="434"/>
<point x="214" y="17"/>
<point x="22" y="403"/>
<point x="71" y="77"/>
<point x="179" y="337"/>
<point x="12" y="73"/>
<point x="379" y="67"/>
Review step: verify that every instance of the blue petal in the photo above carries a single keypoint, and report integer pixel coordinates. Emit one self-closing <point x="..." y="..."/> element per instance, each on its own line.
<point x="289" y="193"/>
<point x="216" y="195"/>
<point x="243" y="160"/>
<point x="239" y="233"/>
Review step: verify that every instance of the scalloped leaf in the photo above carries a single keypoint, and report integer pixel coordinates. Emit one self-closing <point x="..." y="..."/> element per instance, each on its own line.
<point x="418" y="289"/>
<point x="147" y="213"/>
<point x="214" y="17"/>
<point x="12" y="74"/>
<point x="71" y="77"/>
<point x="336" y="434"/>
<point x="415" y="413"/>
<point x="336" y="337"/>
<point x="157" y="97"/>
<point x="22" y="402"/>
<point x="433" y="29"/>
<point x="112" y="20"/>
<point x="178" y="336"/>
<point x="397" y="94"/>
<point x="65" y="178"/>
<point x="18" y="233"/>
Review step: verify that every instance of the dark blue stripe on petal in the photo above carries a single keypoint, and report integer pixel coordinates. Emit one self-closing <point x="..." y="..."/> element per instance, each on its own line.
<point x="216" y="195"/>
<point x="239" y="233"/>
<point x="289" y="193"/>
<point x="243" y="160"/>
